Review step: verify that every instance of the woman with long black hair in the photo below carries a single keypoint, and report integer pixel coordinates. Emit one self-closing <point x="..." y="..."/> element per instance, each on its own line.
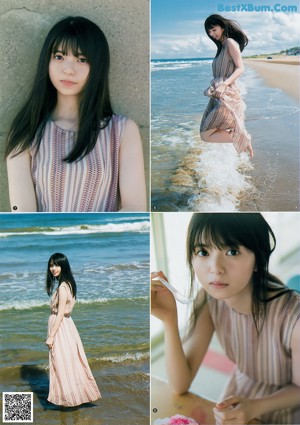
<point x="223" y="119"/>
<point x="71" y="379"/>
<point x="66" y="149"/>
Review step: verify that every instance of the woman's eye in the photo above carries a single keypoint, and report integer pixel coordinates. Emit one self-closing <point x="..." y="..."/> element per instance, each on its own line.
<point x="57" y="57"/>
<point x="201" y="252"/>
<point x="233" y="252"/>
<point x="82" y="60"/>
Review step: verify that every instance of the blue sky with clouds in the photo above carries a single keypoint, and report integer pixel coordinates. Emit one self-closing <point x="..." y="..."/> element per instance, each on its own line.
<point x="177" y="29"/>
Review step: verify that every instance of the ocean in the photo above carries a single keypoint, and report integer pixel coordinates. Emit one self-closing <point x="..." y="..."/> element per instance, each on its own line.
<point x="190" y="175"/>
<point x="109" y="257"/>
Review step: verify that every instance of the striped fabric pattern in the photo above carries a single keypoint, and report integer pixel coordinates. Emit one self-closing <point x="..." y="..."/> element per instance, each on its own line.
<point x="89" y="185"/>
<point x="263" y="362"/>
<point x="71" y="379"/>
<point x="227" y="112"/>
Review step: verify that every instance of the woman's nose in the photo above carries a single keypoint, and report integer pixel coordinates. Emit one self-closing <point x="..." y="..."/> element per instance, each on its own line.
<point x="68" y="68"/>
<point x="216" y="263"/>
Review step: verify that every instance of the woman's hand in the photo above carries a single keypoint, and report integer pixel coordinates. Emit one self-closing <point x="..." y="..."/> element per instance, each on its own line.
<point x="49" y="342"/>
<point x="234" y="410"/>
<point x="163" y="304"/>
<point x="220" y="90"/>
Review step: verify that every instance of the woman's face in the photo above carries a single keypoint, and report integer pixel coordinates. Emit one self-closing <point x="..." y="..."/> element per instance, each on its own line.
<point x="224" y="273"/>
<point x="216" y="32"/>
<point x="55" y="269"/>
<point x="68" y="73"/>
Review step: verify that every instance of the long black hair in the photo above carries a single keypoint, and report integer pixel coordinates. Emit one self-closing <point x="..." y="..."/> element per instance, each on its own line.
<point x="231" y="30"/>
<point x="235" y="229"/>
<point x="65" y="275"/>
<point x="79" y="35"/>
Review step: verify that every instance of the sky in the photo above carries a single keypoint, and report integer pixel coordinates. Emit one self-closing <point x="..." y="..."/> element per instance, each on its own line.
<point x="177" y="26"/>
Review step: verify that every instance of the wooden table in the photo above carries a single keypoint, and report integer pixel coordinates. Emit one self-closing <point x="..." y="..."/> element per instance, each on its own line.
<point x="164" y="403"/>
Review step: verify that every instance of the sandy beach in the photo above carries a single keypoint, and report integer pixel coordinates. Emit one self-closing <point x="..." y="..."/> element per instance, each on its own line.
<point x="280" y="72"/>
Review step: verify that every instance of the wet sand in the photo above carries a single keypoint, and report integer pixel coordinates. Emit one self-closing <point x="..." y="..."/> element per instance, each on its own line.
<point x="124" y="388"/>
<point x="280" y="72"/>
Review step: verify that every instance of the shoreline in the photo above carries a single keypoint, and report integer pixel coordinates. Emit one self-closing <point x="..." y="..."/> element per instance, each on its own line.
<point x="278" y="73"/>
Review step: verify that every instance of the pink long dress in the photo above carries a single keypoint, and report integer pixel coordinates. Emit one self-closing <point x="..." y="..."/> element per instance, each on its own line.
<point x="71" y="379"/>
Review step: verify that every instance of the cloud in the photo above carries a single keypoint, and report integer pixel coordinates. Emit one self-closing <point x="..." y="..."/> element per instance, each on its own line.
<point x="173" y="46"/>
<point x="267" y="32"/>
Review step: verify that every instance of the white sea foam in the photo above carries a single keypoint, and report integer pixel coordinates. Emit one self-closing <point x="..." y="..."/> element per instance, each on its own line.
<point x="23" y="305"/>
<point x="173" y="65"/>
<point x="140" y="227"/>
<point x="29" y="304"/>
<point x="125" y="357"/>
<point x="221" y="179"/>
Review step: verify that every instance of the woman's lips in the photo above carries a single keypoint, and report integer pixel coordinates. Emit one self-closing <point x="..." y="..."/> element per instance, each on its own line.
<point x="67" y="83"/>
<point x="219" y="285"/>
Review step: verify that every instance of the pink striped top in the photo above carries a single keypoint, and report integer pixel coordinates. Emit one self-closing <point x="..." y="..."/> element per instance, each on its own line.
<point x="263" y="362"/>
<point x="89" y="185"/>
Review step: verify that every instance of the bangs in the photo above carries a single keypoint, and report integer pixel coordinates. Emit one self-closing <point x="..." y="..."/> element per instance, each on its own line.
<point x="209" y="25"/>
<point x="219" y="230"/>
<point x="70" y="42"/>
<point x="53" y="262"/>
<point x="212" y="22"/>
<point x="212" y="236"/>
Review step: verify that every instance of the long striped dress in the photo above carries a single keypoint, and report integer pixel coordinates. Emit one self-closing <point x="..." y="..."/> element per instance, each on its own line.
<point x="71" y="379"/>
<point x="88" y="185"/>
<point x="227" y="112"/>
<point x="263" y="362"/>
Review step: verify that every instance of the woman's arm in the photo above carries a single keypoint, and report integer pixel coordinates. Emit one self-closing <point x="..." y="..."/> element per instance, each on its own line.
<point x="236" y="56"/>
<point x="182" y="362"/>
<point x="243" y="410"/>
<point x="21" y="189"/>
<point x="62" y="301"/>
<point x="132" y="175"/>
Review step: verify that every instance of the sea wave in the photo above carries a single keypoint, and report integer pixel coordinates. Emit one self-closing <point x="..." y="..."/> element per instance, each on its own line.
<point x="35" y="370"/>
<point x="126" y="357"/>
<point x="214" y="177"/>
<point x="139" y="227"/>
<point x="123" y="267"/>
<point x="173" y="65"/>
<point x="33" y="304"/>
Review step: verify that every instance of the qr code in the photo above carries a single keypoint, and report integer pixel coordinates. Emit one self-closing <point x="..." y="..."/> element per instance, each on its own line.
<point x="17" y="407"/>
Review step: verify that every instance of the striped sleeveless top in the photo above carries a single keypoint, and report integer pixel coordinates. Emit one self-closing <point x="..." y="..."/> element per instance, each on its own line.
<point x="263" y="362"/>
<point x="89" y="185"/>
<point x="223" y="65"/>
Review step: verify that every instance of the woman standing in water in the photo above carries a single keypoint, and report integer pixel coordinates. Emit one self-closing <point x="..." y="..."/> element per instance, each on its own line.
<point x="71" y="379"/>
<point x="223" y="119"/>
